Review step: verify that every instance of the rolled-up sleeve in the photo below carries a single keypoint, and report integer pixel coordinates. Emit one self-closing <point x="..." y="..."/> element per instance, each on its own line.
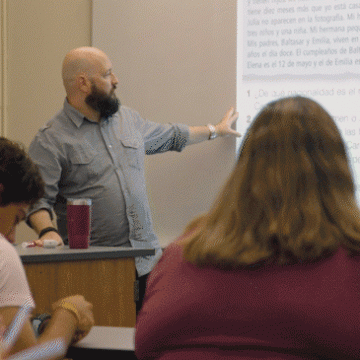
<point x="165" y="137"/>
<point x="46" y="155"/>
<point x="157" y="137"/>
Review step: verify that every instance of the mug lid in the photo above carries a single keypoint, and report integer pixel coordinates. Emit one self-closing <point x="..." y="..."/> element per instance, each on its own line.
<point x="71" y="201"/>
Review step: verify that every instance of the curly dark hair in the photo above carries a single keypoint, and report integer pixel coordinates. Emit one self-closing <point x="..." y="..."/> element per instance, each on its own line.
<point x="20" y="177"/>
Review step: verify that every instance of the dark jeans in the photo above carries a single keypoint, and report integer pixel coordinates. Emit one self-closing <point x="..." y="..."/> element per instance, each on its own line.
<point x="141" y="287"/>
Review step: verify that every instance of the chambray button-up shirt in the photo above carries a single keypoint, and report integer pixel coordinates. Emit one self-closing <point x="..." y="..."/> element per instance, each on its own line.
<point x="104" y="161"/>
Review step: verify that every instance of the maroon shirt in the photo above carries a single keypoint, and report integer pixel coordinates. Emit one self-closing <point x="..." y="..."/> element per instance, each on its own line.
<point x="304" y="311"/>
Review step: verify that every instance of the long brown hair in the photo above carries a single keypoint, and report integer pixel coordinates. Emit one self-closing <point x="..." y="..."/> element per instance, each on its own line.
<point x="290" y="197"/>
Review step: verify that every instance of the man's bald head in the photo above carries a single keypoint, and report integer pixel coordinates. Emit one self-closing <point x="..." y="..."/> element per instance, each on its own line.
<point x="83" y="60"/>
<point x="90" y="82"/>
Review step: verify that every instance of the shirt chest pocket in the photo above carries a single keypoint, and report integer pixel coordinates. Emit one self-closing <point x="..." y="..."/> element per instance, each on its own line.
<point x="134" y="153"/>
<point x="86" y="164"/>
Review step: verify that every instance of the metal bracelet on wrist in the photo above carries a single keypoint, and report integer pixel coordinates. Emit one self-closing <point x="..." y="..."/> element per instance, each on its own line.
<point x="213" y="133"/>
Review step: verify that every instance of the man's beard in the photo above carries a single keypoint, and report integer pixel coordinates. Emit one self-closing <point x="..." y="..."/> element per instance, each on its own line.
<point x="105" y="104"/>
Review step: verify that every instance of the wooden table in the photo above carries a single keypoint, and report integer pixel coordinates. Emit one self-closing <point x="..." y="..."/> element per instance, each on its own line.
<point x="104" y="275"/>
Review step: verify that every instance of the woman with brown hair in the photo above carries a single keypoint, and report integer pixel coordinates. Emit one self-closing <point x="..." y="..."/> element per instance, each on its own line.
<point x="272" y="271"/>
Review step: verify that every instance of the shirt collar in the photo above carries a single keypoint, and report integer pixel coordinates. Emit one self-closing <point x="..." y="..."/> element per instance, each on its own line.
<point x="77" y="117"/>
<point x="74" y="115"/>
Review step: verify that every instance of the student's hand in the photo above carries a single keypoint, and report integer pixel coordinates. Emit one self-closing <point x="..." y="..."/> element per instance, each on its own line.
<point x="82" y="309"/>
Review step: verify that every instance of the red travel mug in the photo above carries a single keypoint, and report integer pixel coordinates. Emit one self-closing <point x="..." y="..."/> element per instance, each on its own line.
<point x="78" y="223"/>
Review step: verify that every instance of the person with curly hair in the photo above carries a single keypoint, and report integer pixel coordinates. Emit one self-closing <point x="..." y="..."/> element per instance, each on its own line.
<point x="21" y="185"/>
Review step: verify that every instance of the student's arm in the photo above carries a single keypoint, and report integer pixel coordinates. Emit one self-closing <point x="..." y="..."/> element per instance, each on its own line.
<point x="63" y="324"/>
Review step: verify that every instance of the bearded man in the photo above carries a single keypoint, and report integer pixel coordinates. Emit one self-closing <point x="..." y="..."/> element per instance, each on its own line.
<point x="95" y="148"/>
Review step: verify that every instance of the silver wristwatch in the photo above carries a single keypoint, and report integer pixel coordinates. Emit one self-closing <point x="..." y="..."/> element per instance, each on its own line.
<point x="213" y="133"/>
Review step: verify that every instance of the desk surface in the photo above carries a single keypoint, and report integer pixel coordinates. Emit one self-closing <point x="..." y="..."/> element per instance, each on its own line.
<point x="64" y="253"/>
<point x="109" y="338"/>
